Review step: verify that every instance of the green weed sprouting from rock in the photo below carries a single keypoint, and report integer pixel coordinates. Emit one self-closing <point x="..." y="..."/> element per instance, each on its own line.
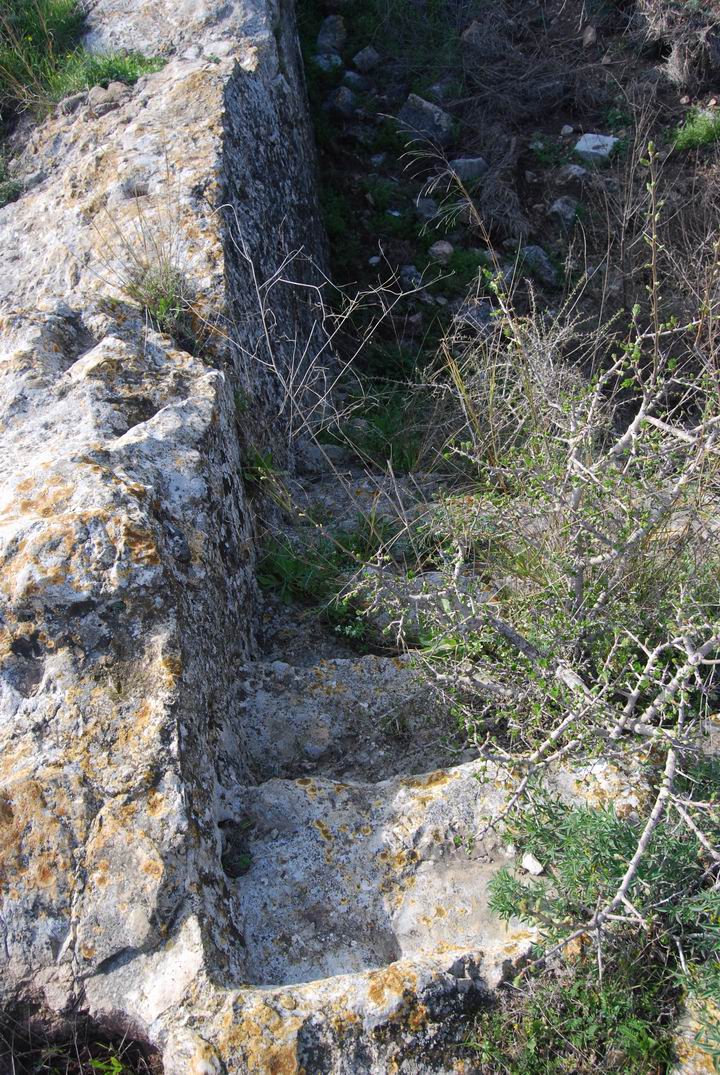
<point x="163" y="292"/>
<point x="41" y="60"/>
<point x="10" y="189"/>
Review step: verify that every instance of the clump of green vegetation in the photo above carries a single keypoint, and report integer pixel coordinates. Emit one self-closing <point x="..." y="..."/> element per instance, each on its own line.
<point x="465" y="269"/>
<point x="42" y="62"/>
<point x="81" y="70"/>
<point x="701" y="128"/>
<point x="385" y="428"/>
<point x="164" y="294"/>
<point x="78" y="1053"/>
<point x="619" y="1019"/>
<point x="549" y="152"/>
<point x="571" y="1021"/>
<point x="316" y="571"/>
<point x="10" y="189"/>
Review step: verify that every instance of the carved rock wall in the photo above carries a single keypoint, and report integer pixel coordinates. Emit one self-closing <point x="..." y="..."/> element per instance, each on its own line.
<point x="126" y="552"/>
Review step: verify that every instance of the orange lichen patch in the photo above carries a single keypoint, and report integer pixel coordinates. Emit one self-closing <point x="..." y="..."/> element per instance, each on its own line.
<point x="323" y="830"/>
<point x="417" y="1018"/>
<point x="343" y="1020"/>
<point x="34" y="844"/>
<point x="696" y="1026"/>
<point x="153" y="868"/>
<point x="576" y="948"/>
<point x="398" y="860"/>
<point x="390" y="983"/>
<point x="156" y="803"/>
<point x="265" y="1040"/>
<point x="172" y="666"/>
<point x="138" y="728"/>
<point x="309" y="785"/>
<point x="99" y="876"/>
<point x="47" y="501"/>
<point x="430" y="780"/>
<point x="141" y="544"/>
<point x="87" y="951"/>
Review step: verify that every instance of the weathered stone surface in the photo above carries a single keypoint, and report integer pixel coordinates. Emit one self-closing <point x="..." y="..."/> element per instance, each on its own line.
<point x="468" y="169"/>
<point x="366" y="59"/>
<point x="425" y="119"/>
<point x="441" y="251"/>
<point x="564" y="211"/>
<point x="328" y="61"/>
<point x="341" y="102"/>
<point x="332" y="34"/>
<point x="596" y="148"/>
<point x="537" y="262"/>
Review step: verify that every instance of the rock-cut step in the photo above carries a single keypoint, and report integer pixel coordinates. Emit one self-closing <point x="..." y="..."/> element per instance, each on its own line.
<point x="332" y="878"/>
<point x="360" y="718"/>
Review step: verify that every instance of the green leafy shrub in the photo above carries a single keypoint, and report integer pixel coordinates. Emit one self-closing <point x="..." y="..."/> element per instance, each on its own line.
<point x="572" y="1022"/>
<point x="673" y="893"/>
<point x="701" y="128"/>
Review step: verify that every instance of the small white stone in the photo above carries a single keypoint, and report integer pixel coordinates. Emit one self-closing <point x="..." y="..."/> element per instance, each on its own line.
<point x="441" y="251"/>
<point x="531" y="865"/>
<point x="596" y="148"/>
<point x="566" y="131"/>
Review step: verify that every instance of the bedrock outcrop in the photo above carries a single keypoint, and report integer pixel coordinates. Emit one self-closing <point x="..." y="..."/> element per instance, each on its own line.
<point x="166" y="869"/>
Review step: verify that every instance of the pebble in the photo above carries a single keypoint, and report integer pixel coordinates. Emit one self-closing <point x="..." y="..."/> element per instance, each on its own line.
<point x="366" y="59"/>
<point x="354" y="81"/>
<point x="589" y="36"/>
<point x="440" y="91"/>
<point x="566" y="131"/>
<point x="342" y="102"/>
<point x="476" y="315"/>
<point x="564" y="210"/>
<point x="573" y="174"/>
<point x="424" y="119"/>
<point x="531" y="865"/>
<point x="332" y="35"/>
<point x="441" y="251"/>
<point x="328" y="61"/>
<point x="540" y="265"/>
<point x="427" y="208"/>
<point x="596" y="148"/>
<point x="70" y="104"/>
<point x="410" y="277"/>
<point x="468" y="168"/>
